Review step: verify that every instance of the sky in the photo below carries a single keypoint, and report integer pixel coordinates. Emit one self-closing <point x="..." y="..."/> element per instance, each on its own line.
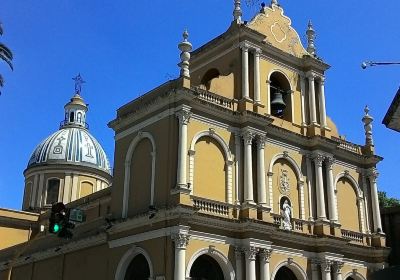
<point x="124" y="48"/>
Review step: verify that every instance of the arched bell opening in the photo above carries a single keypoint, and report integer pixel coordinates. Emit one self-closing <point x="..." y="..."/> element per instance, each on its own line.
<point x="285" y="273"/>
<point x="208" y="76"/>
<point x="280" y="96"/>
<point x="138" y="269"/>
<point x="206" y="268"/>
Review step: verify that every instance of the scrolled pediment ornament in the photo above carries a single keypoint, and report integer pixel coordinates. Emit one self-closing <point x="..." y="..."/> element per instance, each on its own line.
<point x="284" y="185"/>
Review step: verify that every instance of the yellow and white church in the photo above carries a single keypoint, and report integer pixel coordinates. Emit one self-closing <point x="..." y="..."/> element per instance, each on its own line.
<point x="231" y="171"/>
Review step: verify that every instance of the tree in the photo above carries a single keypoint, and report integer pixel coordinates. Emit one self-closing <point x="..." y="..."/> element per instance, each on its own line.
<point x="385" y="201"/>
<point x="5" y="55"/>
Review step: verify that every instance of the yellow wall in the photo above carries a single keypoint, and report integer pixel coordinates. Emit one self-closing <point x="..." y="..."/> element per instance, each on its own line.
<point x="210" y="170"/>
<point x="347" y="205"/>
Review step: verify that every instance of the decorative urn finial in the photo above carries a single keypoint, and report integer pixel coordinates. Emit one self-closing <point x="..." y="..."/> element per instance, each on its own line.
<point x="274" y="2"/>
<point x="311" y="39"/>
<point x="367" y="120"/>
<point x="185" y="47"/>
<point x="237" y="12"/>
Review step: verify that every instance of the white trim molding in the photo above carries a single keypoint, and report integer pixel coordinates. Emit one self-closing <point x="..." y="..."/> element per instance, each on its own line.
<point x="293" y="266"/>
<point x="128" y="161"/>
<point x="126" y="260"/>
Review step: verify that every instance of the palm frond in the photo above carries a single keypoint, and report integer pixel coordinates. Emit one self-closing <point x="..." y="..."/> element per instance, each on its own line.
<point x="7" y="60"/>
<point x="1" y="81"/>
<point x="7" y="52"/>
<point x="1" y="29"/>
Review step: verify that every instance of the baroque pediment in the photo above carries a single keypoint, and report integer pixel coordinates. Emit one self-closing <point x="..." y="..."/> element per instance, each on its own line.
<point x="277" y="28"/>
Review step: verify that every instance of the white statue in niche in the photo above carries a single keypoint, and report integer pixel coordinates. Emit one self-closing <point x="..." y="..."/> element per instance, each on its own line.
<point x="286" y="213"/>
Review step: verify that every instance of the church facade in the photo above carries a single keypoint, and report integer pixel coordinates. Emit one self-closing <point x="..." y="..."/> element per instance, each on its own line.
<point x="232" y="171"/>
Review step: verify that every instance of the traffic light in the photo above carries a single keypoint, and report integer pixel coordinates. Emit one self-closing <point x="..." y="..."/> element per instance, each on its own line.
<point x="57" y="217"/>
<point x="59" y="221"/>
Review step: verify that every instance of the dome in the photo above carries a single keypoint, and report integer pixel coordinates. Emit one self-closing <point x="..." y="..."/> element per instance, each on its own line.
<point x="70" y="145"/>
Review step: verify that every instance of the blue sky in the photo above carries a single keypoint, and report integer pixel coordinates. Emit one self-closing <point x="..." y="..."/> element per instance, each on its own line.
<point x="124" y="48"/>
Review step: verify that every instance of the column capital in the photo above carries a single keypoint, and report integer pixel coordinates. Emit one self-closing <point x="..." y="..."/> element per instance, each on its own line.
<point x="248" y="136"/>
<point x="337" y="266"/>
<point x="318" y="159"/>
<point x="265" y="254"/>
<point x="326" y="265"/>
<point x="244" y="46"/>
<point x="261" y="140"/>
<point x="184" y="116"/>
<point x="314" y="264"/>
<point x="238" y="251"/>
<point x="181" y="240"/>
<point x="373" y="174"/>
<point x="251" y="253"/>
<point x="311" y="76"/>
<point x="257" y="51"/>
<point x="322" y="80"/>
<point x="330" y="161"/>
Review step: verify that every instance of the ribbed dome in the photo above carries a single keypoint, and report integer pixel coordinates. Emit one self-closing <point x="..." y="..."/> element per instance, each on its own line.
<point x="70" y="145"/>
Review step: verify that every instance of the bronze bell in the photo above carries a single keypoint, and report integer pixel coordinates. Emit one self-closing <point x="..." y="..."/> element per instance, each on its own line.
<point x="277" y="103"/>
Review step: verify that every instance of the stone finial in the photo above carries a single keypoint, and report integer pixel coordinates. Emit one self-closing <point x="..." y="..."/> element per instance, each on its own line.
<point x="237" y="12"/>
<point x="367" y="120"/>
<point x="185" y="47"/>
<point x="311" y="39"/>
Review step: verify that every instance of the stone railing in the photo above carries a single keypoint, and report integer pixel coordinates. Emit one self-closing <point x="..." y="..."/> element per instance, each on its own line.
<point x="214" y="98"/>
<point x="211" y="206"/>
<point x="352" y="236"/>
<point x="348" y="146"/>
<point x="277" y="219"/>
<point x="297" y="225"/>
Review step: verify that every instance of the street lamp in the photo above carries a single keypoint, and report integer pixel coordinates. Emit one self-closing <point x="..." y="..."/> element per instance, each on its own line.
<point x="365" y="64"/>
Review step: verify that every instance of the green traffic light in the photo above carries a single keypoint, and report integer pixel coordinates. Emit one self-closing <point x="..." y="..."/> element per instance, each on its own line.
<point x="56" y="228"/>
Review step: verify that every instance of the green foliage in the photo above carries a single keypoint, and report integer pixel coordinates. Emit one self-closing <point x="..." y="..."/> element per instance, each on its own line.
<point x="385" y="201"/>
<point x="5" y="55"/>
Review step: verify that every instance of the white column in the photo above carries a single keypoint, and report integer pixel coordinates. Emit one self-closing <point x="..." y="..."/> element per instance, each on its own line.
<point x="261" y="189"/>
<point x="314" y="269"/>
<point x="183" y="117"/>
<point x="326" y="270"/>
<point x="303" y="107"/>
<point x="337" y="270"/>
<point x="74" y="192"/>
<point x="271" y="193"/>
<point x="248" y="168"/>
<point x="251" y="263"/>
<point x="257" y="95"/>
<point x="360" y="206"/>
<point x="181" y="241"/>
<point x="311" y="99"/>
<point x="301" y="192"/>
<point x="366" y="195"/>
<point x="239" y="263"/>
<point x="375" y="201"/>
<point x="318" y="159"/>
<point x="39" y="198"/>
<point x="268" y="98"/>
<point x="67" y="188"/>
<point x="321" y="99"/>
<point x="245" y="71"/>
<point x="310" y="189"/>
<point x="265" y="256"/>
<point x="331" y="189"/>
<point x="32" y="203"/>
<point x="238" y="166"/>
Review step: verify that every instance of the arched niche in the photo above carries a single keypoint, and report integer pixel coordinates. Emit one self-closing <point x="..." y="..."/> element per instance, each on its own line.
<point x="127" y="259"/>
<point x="293" y="266"/>
<point x="218" y="256"/>
<point x="349" y="203"/>
<point x="128" y="167"/>
<point x="285" y="179"/>
<point x="210" y="153"/>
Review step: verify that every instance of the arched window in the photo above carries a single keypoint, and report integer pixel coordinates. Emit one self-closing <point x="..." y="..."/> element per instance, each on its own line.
<point x="79" y="117"/>
<point x="280" y="96"/>
<point x="71" y="117"/>
<point x="205" y="267"/>
<point x="53" y="188"/>
<point x="285" y="273"/>
<point x="86" y="189"/>
<point x="208" y="76"/>
<point x="138" y="269"/>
